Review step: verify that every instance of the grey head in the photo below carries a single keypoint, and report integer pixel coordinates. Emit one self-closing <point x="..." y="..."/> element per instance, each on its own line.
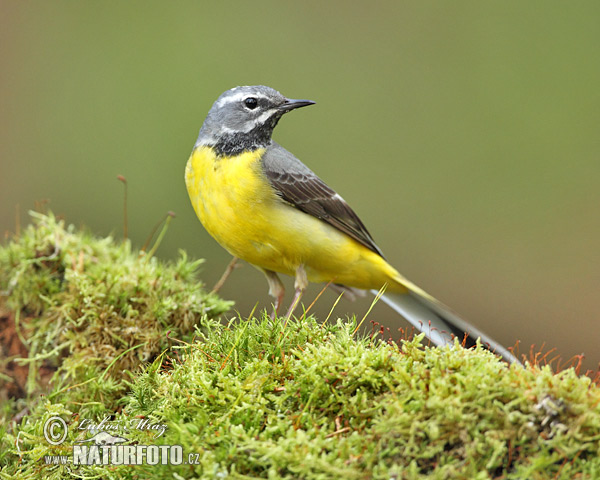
<point x="243" y="119"/>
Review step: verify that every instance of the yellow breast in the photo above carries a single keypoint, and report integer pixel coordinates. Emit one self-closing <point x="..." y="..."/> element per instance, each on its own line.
<point x="226" y="191"/>
<point x="238" y="206"/>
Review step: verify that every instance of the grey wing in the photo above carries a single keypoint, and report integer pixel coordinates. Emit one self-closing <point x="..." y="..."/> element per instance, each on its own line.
<point x="300" y="187"/>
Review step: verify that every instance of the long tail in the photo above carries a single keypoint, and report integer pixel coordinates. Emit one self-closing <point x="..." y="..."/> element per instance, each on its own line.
<point x="438" y="322"/>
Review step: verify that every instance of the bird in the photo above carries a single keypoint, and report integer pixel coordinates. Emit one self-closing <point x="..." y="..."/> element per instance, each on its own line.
<point x="264" y="206"/>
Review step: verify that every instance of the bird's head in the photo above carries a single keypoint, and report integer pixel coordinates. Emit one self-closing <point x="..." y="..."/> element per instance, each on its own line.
<point x="243" y="118"/>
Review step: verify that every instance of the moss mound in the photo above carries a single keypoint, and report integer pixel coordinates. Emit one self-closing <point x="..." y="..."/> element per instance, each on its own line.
<point x="260" y="399"/>
<point x="74" y="306"/>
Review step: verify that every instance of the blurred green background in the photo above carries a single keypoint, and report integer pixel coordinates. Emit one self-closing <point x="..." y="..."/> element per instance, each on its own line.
<point x="465" y="135"/>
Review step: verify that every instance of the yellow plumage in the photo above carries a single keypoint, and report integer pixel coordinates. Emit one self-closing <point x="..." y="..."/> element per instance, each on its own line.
<point x="265" y="206"/>
<point x="240" y="209"/>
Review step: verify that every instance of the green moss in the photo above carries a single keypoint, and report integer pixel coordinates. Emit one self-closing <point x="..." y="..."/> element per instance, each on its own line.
<point x="257" y="399"/>
<point x="84" y="307"/>
<point x="314" y="402"/>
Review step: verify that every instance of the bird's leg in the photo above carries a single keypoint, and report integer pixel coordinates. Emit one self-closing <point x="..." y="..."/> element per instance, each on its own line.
<point x="276" y="290"/>
<point x="300" y="284"/>
<point x="232" y="265"/>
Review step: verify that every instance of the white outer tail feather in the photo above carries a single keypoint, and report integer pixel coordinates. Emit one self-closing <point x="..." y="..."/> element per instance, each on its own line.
<point x="438" y="322"/>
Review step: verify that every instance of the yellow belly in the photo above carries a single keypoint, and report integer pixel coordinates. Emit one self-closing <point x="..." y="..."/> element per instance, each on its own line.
<point x="238" y="207"/>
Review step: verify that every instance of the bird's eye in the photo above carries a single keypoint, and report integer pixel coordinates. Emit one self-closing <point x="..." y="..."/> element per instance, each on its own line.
<point x="251" y="103"/>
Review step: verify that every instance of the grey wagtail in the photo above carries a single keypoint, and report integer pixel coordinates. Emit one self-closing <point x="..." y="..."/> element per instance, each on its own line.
<point x="265" y="206"/>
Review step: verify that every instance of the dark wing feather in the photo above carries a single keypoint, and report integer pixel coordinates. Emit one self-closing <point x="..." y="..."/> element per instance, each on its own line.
<point x="301" y="188"/>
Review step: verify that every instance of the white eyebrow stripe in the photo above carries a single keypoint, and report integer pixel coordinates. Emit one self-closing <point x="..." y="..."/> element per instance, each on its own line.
<point x="237" y="97"/>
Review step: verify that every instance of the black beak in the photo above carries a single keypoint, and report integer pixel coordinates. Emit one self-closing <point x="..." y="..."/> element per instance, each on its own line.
<point x="291" y="104"/>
